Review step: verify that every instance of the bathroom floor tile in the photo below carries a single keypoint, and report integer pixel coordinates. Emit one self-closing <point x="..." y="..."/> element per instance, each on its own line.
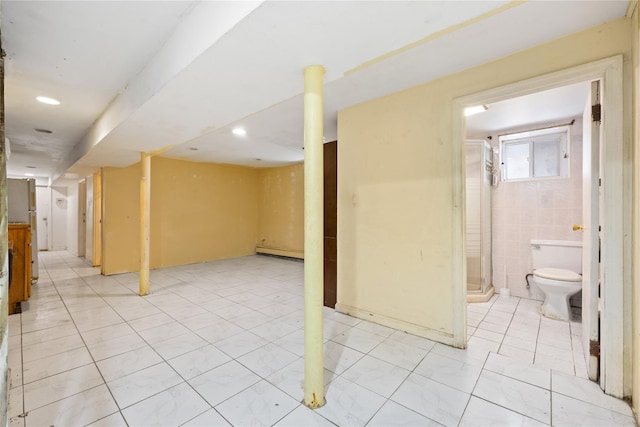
<point x="519" y="370"/>
<point x="568" y="411"/>
<point x="587" y="391"/>
<point x="479" y="412"/>
<point x="526" y="399"/>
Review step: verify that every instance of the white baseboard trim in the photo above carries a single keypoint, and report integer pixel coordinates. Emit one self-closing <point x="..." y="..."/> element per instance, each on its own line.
<point x="398" y="324"/>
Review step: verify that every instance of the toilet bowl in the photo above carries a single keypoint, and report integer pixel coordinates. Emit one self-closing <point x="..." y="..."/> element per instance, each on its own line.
<point x="557" y="268"/>
<point x="558" y="286"/>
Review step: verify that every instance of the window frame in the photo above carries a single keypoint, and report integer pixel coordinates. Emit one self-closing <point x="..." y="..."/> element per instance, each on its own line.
<point x="531" y="138"/>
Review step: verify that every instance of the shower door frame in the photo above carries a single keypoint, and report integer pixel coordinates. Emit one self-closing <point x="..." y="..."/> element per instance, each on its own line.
<point x="486" y="276"/>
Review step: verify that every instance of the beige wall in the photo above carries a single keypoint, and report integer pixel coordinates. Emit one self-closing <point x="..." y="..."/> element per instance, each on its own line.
<point x="281" y="210"/>
<point x="121" y="219"/>
<point x="635" y="39"/>
<point x="199" y="212"/>
<point x="395" y="207"/>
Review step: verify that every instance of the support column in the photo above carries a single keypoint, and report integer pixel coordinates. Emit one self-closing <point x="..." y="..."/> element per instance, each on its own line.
<point x="145" y="214"/>
<point x="313" y="237"/>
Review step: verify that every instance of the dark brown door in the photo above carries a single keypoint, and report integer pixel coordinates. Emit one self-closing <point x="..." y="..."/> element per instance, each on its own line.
<point x="330" y="222"/>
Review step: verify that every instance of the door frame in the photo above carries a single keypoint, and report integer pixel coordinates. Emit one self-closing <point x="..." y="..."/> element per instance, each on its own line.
<point x="616" y="187"/>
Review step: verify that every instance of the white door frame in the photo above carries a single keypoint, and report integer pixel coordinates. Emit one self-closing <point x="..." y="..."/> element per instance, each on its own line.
<point x="616" y="357"/>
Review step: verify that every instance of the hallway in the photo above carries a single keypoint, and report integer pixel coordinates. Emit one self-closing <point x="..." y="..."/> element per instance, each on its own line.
<point x="221" y="343"/>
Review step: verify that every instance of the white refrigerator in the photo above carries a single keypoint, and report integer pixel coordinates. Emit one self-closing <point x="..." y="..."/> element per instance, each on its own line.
<point x="21" y="206"/>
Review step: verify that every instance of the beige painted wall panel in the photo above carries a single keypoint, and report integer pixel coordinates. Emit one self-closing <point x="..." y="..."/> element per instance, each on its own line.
<point x="121" y="220"/>
<point x="395" y="189"/>
<point x="635" y="39"/>
<point x="281" y="208"/>
<point x="201" y="211"/>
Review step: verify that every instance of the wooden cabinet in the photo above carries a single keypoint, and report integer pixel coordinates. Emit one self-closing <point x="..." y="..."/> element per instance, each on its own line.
<point x="20" y="284"/>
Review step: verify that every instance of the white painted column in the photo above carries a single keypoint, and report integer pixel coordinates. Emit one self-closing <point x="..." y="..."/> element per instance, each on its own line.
<point x="145" y="215"/>
<point x="313" y="237"/>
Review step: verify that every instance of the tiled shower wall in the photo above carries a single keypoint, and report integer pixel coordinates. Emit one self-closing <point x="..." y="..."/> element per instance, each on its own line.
<point x="525" y="210"/>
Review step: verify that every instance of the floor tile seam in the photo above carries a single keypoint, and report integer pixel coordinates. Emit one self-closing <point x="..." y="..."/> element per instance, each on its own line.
<point x="515" y="379"/>
<point x="57" y="373"/>
<point x="393" y="364"/>
<point x="61" y="399"/>
<point x="595" y="404"/>
<point x="211" y="408"/>
<point x="107" y="416"/>
<point x="131" y="373"/>
<point x="260" y="379"/>
<point x="422" y="415"/>
<point x="121" y="409"/>
<point x="390" y="399"/>
<point x="514" y="411"/>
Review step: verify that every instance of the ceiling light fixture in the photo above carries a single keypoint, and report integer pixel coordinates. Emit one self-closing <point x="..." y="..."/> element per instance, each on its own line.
<point x="28" y="174"/>
<point x="469" y="111"/>
<point x="239" y="131"/>
<point x="47" y="100"/>
<point x="30" y="167"/>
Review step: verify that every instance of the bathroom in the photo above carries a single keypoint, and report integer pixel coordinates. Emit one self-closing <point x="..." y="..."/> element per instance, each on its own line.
<point x="509" y="213"/>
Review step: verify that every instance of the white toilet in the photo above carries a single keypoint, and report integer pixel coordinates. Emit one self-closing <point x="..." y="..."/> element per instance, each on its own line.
<point x="557" y="268"/>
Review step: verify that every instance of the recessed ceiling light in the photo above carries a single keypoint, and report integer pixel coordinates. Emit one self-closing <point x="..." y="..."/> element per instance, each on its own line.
<point x="28" y="174"/>
<point x="43" y="130"/>
<point x="239" y="131"/>
<point x="469" y="111"/>
<point x="47" y="100"/>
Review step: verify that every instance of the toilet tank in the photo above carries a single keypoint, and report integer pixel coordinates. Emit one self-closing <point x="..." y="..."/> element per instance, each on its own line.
<point x="564" y="254"/>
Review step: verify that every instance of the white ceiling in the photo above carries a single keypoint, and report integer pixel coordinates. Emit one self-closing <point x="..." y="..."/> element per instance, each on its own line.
<point x="177" y="76"/>
<point x="540" y="108"/>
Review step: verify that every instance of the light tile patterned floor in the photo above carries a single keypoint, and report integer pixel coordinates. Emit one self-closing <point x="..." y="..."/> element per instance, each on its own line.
<point x="220" y="343"/>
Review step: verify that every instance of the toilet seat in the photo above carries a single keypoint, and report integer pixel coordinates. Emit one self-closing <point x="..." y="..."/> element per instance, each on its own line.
<point x="558" y="274"/>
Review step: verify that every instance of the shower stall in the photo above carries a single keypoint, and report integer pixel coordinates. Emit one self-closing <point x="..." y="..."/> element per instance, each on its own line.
<point x="479" y="179"/>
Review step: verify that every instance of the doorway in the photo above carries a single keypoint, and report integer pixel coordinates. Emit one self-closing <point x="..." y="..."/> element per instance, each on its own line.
<point x="615" y="360"/>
